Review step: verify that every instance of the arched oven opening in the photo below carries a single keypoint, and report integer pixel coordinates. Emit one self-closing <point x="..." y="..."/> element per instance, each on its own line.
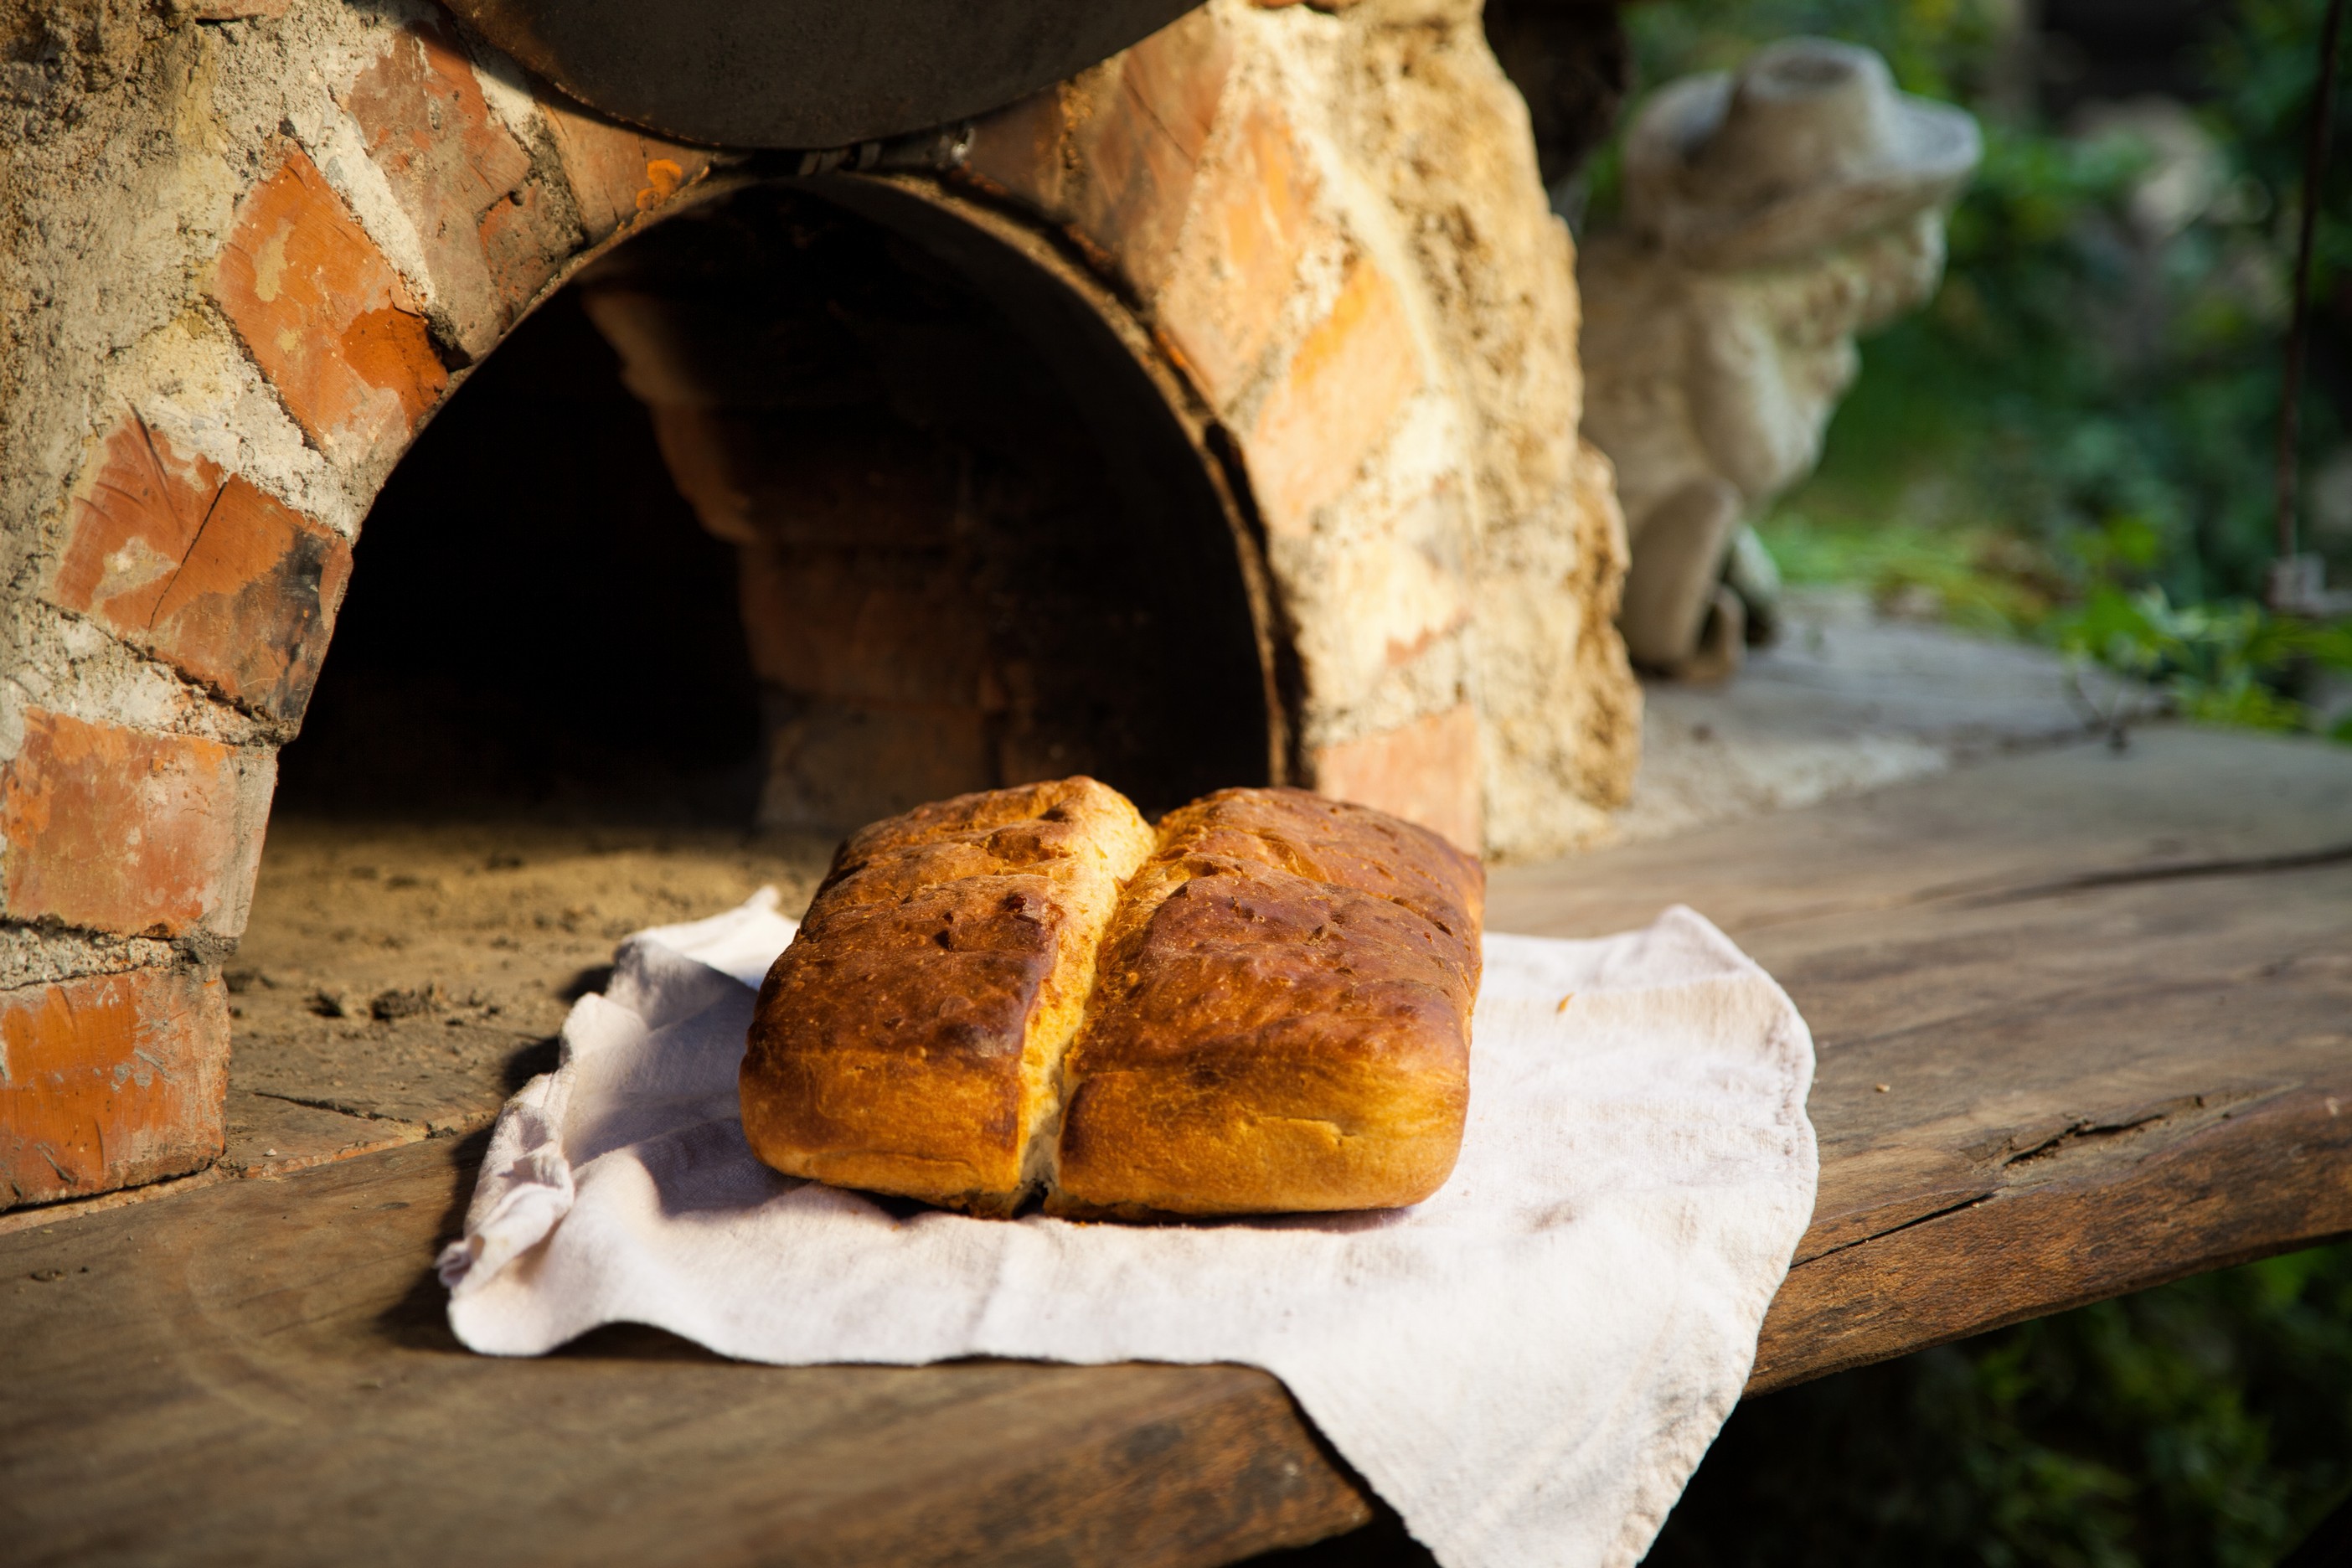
<point x="955" y="532"/>
<point x="1200" y="418"/>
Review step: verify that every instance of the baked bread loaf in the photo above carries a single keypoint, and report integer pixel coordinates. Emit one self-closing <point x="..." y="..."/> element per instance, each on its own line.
<point x="909" y="1040"/>
<point x="1282" y="1019"/>
<point x="1262" y="1007"/>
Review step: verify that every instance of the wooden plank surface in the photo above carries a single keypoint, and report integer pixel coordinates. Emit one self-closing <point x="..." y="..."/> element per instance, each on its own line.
<point x="2109" y="999"/>
<point x="260" y="1374"/>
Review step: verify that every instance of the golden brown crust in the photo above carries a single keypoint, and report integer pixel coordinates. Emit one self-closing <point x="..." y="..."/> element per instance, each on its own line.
<point x="908" y="1040"/>
<point x="1276" y="1007"/>
<point x="1282" y="1016"/>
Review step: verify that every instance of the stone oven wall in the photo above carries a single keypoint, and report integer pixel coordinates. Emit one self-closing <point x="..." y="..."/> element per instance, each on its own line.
<point x="1333" y="224"/>
<point x="248" y="246"/>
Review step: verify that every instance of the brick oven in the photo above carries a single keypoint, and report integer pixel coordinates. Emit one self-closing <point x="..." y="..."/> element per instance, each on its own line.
<point x="1207" y="417"/>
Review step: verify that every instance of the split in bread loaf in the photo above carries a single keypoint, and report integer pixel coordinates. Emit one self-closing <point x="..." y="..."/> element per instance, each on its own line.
<point x="909" y="1040"/>
<point x="1262" y="1007"/>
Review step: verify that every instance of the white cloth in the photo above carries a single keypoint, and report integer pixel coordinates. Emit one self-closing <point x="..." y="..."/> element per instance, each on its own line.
<point x="1528" y="1367"/>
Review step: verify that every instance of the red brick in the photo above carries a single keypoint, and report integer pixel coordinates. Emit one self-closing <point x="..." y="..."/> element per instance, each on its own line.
<point x="448" y="162"/>
<point x="1141" y="151"/>
<point x="1253" y="224"/>
<point x="617" y="174"/>
<point x="842" y="765"/>
<point x="1343" y="390"/>
<point x="109" y="1081"/>
<point x="811" y="477"/>
<point x="1112" y="153"/>
<point x="867" y="626"/>
<point x="1425" y="771"/>
<point x="201" y="568"/>
<point x="114" y="829"/>
<point x="325" y="316"/>
<point x="1023" y="152"/>
<point x="523" y="244"/>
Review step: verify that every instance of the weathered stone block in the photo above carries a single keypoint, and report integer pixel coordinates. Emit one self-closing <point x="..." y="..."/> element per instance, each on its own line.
<point x="1252" y="225"/>
<point x="201" y="568"/>
<point x="115" y="829"/>
<point x="109" y="1081"/>
<point x="1374" y="597"/>
<point x="1144" y="146"/>
<point x="1345" y="386"/>
<point x="1113" y="153"/>
<point x="325" y="316"/>
<point x="450" y="165"/>
<point x="1425" y="771"/>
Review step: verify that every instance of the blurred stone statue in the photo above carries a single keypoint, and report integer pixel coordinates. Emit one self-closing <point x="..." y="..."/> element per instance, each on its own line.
<point x="1770" y="215"/>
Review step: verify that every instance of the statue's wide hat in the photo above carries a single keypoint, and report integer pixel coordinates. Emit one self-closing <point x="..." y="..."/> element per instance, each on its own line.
<point x="1806" y="145"/>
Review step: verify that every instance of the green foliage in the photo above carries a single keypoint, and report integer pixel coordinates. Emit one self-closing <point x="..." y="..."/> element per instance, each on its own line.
<point x="2086" y="375"/>
<point x="1981" y="579"/>
<point x="2221" y="663"/>
<point x="2206" y="1423"/>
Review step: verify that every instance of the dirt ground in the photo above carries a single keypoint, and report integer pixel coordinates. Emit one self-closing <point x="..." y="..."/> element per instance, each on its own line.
<point x="398" y="981"/>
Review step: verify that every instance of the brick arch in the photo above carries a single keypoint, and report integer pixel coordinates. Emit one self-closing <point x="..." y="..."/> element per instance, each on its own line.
<point x="1321" y="233"/>
<point x="1327" y="218"/>
<point x="346" y="261"/>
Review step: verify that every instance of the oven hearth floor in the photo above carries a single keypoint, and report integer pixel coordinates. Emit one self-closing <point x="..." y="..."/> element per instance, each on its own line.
<point x="399" y="980"/>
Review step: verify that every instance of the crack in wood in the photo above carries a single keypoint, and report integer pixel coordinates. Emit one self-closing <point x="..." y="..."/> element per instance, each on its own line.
<point x="1912" y="1224"/>
<point x="2081" y="1131"/>
<point x="2010" y="1170"/>
<point x="338" y="1106"/>
<point x="2133" y="876"/>
<point x="2180" y="1114"/>
<point x="1988" y="893"/>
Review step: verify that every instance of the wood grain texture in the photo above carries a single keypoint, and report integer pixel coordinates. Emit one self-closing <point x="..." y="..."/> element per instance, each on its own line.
<point x="2110" y="999"/>
<point x="260" y="1372"/>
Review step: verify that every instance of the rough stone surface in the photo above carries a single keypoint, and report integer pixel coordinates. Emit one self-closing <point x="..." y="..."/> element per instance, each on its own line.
<point x="1369" y="290"/>
<point x="1448" y="136"/>
<point x="1255" y="225"/>
<point x="110" y="1080"/>
<point x="157" y="176"/>
<point x="1572" y="698"/>
<point x="1347" y="382"/>
<point x="618" y="174"/>
<point x="1142" y="153"/>
<point x="31" y="955"/>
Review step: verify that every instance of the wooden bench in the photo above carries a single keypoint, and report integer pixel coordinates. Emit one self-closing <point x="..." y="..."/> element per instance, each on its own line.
<point x="2086" y="1025"/>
